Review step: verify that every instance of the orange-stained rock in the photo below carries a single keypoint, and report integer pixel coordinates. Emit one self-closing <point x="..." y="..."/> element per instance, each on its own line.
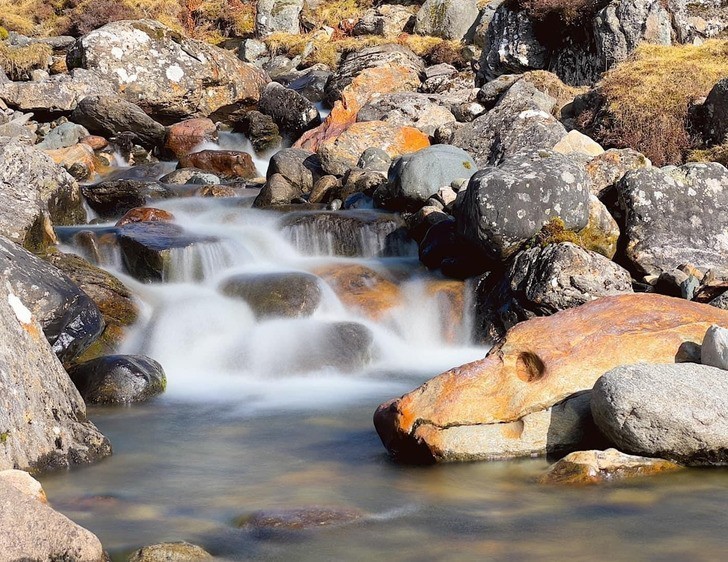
<point x="95" y="142"/>
<point x="339" y="154"/>
<point x="230" y="164"/>
<point x="216" y="190"/>
<point x="513" y="402"/>
<point x="184" y="136"/>
<point x="370" y="82"/>
<point x="362" y="289"/>
<point x="77" y="159"/>
<point x="450" y="297"/>
<point x="145" y="214"/>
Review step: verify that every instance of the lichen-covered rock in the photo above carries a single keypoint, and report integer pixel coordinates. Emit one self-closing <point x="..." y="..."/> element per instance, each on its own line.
<point x="675" y="215"/>
<point x="278" y="16"/>
<point x="387" y="20"/>
<point x="449" y="19"/>
<point x="714" y="114"/>
<point x="42" y="416"/>
<point x="674" y="412"/>
<point x="63" y="136"/>
<point x="170" y="552"/>
<point x="110" y="115"/>
<point x="77" y="160"/>
<point x="606" y="169"/>
<point x="503" y="405"/>
<point x="300" y="167"/>
<point x="601" y="233"/>
<point x="185" y="78"/>
<point x="503" y="207"/>
<point x="35" y="193"/>
<point x="425" y="112"/>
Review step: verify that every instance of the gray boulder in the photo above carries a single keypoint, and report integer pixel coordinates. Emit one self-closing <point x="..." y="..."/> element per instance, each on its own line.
<point x="273" y="16"/>
<point x="71" y="321"/>
<point x="35" y="193"/>
<point x="292" y="112"/>
<point x="32" y="530"/>
<point x="301" y="167"/>
<point x="34" y="387"/>
<point x="676" y="412"/>
<point x="425" y="112"/>
<point x="714" y="114"/>
<point x="62" y="136"/>
<point x="388" y="20"/>
<point x="675" y="215"/>
<point x="170" y="552"/>
<point x="714" y="350"/>
<point x="415" y="177"/>
<point x="505" y="206"/>
<point x="449" y="19"/>
<point x="110" y="115"/>
<point x="185" y="78"/>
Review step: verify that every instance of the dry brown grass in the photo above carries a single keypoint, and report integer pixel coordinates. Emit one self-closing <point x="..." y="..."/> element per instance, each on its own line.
<point x="569" y="12"/>
<point x="717" y="153"/>
<point x="647" y="97"/>
<point x="18" y="62"/>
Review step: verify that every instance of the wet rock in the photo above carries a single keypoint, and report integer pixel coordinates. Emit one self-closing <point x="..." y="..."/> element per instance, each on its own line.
<point x="503" y="207"/>
<point x="216" y="191"/>
<point x="343" y="152"/>
<point x="186" y="78"/>
<point x="595" y="467"/>
<point x="362" y="289"/>
<point x="287" y="295"/>
<point x="371" y="57"/>
<point x="302" y="168"/>
<point x="32" y="530"/>
<point x="298" y="519"/>
<point x="311" y="83"/>
<point x="77" y="160"/>
<point x="375" y="160"/>
<point x="364" y="182"/>
<point x="116" y="197"/>
<point x="714" y="350"/>
<point x="277" y="191"/>
<point x="354" y="233"/>
<point x="35" y="387"/>
<point x="110" y="115"/>
<point x="63" y="136"/>
<point x="118" y="379"/>
<point x="675" y="412"/>
<point x="415" y="177"/>
<point x="324" y="190"/>
<point x="34" y="194"/>
<point x="388" y="20"/>
<point x="95" y="142"/>
<point x="71" y="321"/>
<point x="111" y="296"/>
<point x="503" y="405"/>
<point x="186" y="176"/>
<point x="145" y="214"/>
<point x="425" y="218"/>
<point x="421" y="111"/>
<point x="449" y="19"/>
<point x="674" y="216"/>
<point x="228" y="164"/>
<point x="292" y="112"/>
<point x="277" y="16"/>
<point x="147" y="247"/>
<point x="186" y="136"/>
<point x="170" y="552"/>
<point x="261" y="130"/>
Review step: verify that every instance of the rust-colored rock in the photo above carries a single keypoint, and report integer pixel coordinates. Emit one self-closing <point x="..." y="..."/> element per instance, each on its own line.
<point x="339" y="154"/>
<point x="362" y="289"/>
<point x="95" y="142"/>
<point x="372" y="81"/>
<point x="594" y="467"/>
<point x="183" y="137"/>
<point x="230" y="164"/>
<point x="78" y="160"/>
<point x="145" y="214"/>
<point x="511" y="403"/>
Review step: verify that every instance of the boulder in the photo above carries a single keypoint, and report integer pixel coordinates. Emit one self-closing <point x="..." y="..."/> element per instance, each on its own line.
<point x="170" y="552"/>
<point x="71" y="321"/>
<point x="292" y="112"/>
<point x="362" y="289"/>
<point x="118" y="379"/>
<point x="277" y="16"/>
<point x="277" y="191"/>
<point x="77" y="160"/>
<point x="302" y="168"/>
<point x="341" y="153"/>
<point x="714" y="350"/>
<point x="674" y="215"/>
<point x="34" y="194"/>
<point x="110" y="115"/>
<point x="675" y="412"/>
<point x="578" y="143"/>
<point x="63" y="136"/>
<point x="415" y="177"/>
<point x="352" y="234"/>
<point x="24" y="482"/>
<point x="115" y="197"/>
<point x="714" y="114"/>
<point x="31" y="530"/>
<point x="262" y="131"/>
<point x="595" y="467"/>
<point x="228" y="164"/>
<point x="42" y="416"/>
<point x="606" y="169"/>
<point x="601" y="233"/>
<point x="185" y="78"/>
<point x="449" y="19"/>
<point x="287" y="294"/>
<point x="503" y="207"/>
<point x="425" y="112"/>
<point x="520" y="121"/>
<point x="504" y="405"/>
<point x="187" y="176"/>
<point x="186" y="136"/>
<point x="387" y="20"/>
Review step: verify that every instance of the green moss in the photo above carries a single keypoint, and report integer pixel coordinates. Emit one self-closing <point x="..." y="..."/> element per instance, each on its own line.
<point x="555" y="232"/>
<point x="3" y="34"/>
<point x="4" y="436"/>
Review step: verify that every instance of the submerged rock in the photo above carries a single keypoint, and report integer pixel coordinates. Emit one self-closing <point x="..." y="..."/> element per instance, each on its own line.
<point x="119" y="379"/>
<point x="170" y="552"/>
<point x="512" y="402"/>
<point x="287" y="294"/>
<point x="298" y="519"/>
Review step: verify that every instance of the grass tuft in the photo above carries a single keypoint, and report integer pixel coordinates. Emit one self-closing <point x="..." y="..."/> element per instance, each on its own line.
<point x="18" y="62"/>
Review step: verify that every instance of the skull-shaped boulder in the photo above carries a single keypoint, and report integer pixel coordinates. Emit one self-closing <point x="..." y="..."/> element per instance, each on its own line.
<point x="526" y="397"/>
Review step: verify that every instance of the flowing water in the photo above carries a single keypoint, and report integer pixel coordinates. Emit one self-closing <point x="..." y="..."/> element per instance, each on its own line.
<point x="262" y="414"/>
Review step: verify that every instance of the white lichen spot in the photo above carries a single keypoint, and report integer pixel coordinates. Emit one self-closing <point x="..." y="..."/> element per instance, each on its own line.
<point x="714" y="185"/>
<point x="692" y="192"/>
<point x="521" y="214"/>
<point x="695" y="221"/>
<point x="21" y="312"/>
<point x="568" y="177"/>
<point x="175" y="73"/>
<point x="56" y="430"/>
<point x="117" y="53"/>
<point x="531" y="113"/>
<point x="124" y="76"/>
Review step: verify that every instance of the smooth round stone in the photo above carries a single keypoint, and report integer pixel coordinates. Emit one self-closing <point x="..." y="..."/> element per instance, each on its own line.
<point x="170" y="552"/>
<point x="298" y="519"/>
<point x="288" y="294"/>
